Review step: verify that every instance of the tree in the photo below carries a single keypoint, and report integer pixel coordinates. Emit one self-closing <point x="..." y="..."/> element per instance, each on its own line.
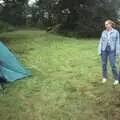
<point x="84" y="17"/>
<point x="13" y="11"/>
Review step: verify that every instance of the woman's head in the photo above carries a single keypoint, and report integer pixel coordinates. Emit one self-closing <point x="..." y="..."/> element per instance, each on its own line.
<point x="109" y="24"/>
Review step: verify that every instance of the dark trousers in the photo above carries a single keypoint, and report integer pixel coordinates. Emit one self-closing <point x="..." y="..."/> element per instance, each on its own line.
<point x="112" y="59"/>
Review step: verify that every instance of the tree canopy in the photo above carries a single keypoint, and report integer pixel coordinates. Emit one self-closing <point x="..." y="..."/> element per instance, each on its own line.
<point x="77" y="16"/>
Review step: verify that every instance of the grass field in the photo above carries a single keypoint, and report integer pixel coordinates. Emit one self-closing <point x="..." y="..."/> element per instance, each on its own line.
<point x="65" y="82"/>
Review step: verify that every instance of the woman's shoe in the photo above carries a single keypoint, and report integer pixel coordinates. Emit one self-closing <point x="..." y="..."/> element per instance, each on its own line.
<point x="104" y="80"/>
<point x="116" y="82"/>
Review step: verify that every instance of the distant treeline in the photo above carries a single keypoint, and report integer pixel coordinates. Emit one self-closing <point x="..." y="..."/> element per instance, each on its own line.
<point x="68" y="17"/>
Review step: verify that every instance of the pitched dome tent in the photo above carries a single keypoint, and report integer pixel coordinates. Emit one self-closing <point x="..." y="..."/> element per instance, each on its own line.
<point x="10" y="67"/>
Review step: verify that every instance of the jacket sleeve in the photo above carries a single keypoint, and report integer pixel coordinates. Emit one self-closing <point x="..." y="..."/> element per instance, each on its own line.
<point x="99" y="46"/>
<point x="118" y="44"/>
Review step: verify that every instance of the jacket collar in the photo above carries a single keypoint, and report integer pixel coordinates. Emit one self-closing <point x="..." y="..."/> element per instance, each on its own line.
<point x="110" y="31"/>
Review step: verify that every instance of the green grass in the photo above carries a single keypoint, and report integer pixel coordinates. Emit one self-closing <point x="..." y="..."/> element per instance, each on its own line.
<point x="65" y="82"/>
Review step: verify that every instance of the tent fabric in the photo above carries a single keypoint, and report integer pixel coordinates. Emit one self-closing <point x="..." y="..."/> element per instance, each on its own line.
<point x="10" y="67"/>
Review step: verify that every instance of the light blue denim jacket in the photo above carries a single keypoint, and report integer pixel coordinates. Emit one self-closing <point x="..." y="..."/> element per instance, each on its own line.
<point x="114" y="41"/>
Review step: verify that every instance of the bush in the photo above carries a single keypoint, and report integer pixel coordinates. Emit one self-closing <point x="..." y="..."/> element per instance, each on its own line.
<point x="6" y="27"/>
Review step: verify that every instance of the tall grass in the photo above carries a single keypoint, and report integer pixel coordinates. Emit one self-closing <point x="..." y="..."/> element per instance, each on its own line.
<point x="65" y="82"/>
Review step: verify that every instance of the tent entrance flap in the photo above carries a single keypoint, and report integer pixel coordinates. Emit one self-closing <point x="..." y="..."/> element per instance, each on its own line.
<point x="10" y="67"/>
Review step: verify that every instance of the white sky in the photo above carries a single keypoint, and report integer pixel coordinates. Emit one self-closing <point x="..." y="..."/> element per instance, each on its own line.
<point x="1" y="1"/>
<point x="30" y="1"/>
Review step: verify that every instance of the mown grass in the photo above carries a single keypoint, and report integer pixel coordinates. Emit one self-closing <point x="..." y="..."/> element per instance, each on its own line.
<point x="65" y="82"/>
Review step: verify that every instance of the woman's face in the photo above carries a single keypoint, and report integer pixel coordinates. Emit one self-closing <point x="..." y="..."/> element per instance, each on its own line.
<point x="108" y="25"/>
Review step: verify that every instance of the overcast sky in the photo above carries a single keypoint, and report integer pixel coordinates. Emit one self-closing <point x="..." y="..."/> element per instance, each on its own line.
<point x="1" y="1"/>
<point x="30" y="1"/>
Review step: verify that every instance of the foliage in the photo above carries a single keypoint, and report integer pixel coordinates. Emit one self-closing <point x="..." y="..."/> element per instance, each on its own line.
<point x="13" y="12"/>
<point x="4" y="26"/>
<point x="84" y="17"/>
<point x="75" y="17"/>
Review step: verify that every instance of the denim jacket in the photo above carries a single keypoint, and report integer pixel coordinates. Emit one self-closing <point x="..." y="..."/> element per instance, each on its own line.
<point x="114" y="41"/>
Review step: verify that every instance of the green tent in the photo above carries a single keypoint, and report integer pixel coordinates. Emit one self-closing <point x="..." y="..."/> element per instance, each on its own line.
<point x="10" y="66"/>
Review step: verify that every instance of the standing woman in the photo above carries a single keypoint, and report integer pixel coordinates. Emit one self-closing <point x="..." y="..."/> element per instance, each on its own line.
<point x="109" y="47"/>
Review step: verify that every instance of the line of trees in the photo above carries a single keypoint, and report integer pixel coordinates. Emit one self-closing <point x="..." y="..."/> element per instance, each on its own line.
<point x="82" y="17"/>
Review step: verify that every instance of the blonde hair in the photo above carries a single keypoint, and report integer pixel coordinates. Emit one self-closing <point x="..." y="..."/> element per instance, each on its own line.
<point x="110" y="22"/>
